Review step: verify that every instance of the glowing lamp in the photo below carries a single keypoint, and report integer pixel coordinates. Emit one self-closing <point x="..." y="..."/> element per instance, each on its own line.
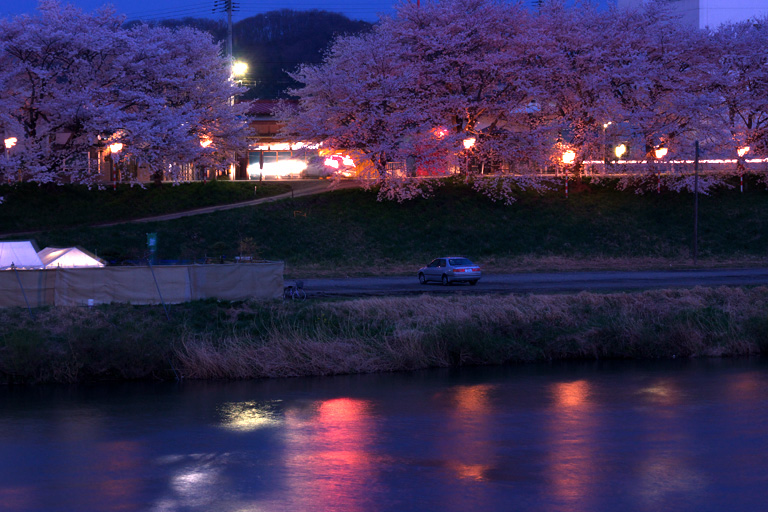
<point x="468" y="143"/>
<point x="660" y="153"/>
<point x="205" y="141"/>
<point x="569" y="157"/>
<point x="239" y="68"/>
<point x="115" y="147"/>
<point x="620" y="150"/>
<point x="742" y="151"/>
<point x="440" y="132"/>
<point x="332" y="162"/>
<point x="606" y="125"/>
<point x="10" y="142"/>
<point x="347" y="160"/>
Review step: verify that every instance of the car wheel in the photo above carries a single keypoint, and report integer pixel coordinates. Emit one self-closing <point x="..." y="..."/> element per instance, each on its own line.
<point x="473" y="283"/>
<point x="445" y="280"/>
<point x="422" y="279"/>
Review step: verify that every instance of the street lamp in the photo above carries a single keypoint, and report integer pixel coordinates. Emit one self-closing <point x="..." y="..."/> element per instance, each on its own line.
<point x="115" y="149"/>
<point x="605" y="141"/>
<point x="568" y="157"/>
<point x="659" y="153"/>
<point x="9" y="143"/>
<point x="740" y="165"/>
<point x="620" y="151"/>
<point x="239" y="68"/>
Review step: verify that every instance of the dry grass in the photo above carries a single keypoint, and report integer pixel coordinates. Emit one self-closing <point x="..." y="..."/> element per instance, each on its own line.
<point x="221" y="340"/>
<point x="384" y="334"/>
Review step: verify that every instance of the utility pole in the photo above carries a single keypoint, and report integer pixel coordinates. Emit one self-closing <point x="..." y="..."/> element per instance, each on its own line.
<point x="696" y="205"/>
<point x="227" y="6"/>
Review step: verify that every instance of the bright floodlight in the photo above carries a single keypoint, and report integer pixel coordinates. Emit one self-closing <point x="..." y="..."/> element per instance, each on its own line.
<point x="660" y="153"/>
<point x="10" y="142"/>
<point x="569" y="157"/>
<point x="743" y="151"/>
<point x="620" y="150"/>
<point x="468" y="143"/>
<point x="239" y="68"/>
<point x="115" y="147"/>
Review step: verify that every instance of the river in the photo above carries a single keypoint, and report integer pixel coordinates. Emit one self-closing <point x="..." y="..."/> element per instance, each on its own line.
<point x="682" y="435"/>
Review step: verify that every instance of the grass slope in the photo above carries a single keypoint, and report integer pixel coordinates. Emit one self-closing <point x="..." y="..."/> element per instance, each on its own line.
<point x="349" y="231"/>
<point x="31" y="207"/>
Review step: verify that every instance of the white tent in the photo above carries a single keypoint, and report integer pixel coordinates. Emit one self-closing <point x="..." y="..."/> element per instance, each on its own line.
<point x="20" y="255"/>
<point x="68" y="257"/>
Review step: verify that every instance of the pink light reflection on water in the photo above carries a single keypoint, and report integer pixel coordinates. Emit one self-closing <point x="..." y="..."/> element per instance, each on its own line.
<point x="328" y="453"/>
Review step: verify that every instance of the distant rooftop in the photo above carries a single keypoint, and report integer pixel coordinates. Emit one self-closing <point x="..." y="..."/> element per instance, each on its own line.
<point x="711" y="13"/>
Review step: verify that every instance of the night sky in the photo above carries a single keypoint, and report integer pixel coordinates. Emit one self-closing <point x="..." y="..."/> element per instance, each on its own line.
<point x="155" y="10"/>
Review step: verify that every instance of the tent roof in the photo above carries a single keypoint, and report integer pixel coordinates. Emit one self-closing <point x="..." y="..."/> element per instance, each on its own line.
<point x="19" y="255"/>
<point x="54" y="257"/>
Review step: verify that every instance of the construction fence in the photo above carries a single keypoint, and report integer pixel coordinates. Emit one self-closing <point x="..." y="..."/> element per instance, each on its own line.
<point x="140" y="285"/>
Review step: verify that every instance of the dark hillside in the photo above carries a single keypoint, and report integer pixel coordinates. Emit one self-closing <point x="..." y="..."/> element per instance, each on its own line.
<point x="275" y="43"/>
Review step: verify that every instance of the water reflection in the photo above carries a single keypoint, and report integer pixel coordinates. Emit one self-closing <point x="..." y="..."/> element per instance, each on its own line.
<point x="630" y="437"/>
<point x="248" y="416"/>
<point x="469" y="453"/>
<point x="328" y="455"/>
<point x="196" y="483"/>
<point x="572" y="430"/>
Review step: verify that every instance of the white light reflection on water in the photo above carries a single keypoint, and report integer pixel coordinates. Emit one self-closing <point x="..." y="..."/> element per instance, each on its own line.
<point x="195" y="482"/>
<point x="665" y="473"/>
<point x="249" y="416"/>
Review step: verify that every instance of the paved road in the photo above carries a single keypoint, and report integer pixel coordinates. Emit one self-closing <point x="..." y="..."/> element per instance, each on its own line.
<point x="539" y="282"/>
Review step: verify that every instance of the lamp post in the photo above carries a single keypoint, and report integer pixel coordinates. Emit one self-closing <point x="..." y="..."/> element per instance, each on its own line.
<point x="568" y="158"/>
<point x="659" y="153"/>
<point x="740" y="165"/>
<point x="605" y="142"/>
<point x="9" y="143"/>
<point x="469" y="143"/>
<point x="114" y="150"/>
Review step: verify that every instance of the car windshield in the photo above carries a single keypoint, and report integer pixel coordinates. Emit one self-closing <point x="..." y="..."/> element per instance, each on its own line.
<point x="460" y="262"/>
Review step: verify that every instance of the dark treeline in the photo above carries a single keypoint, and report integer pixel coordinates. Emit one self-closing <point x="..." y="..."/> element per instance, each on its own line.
<point x="277" y="42"/>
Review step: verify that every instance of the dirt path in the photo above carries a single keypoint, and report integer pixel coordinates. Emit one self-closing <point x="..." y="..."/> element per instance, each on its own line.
<point x="298" y="189"/>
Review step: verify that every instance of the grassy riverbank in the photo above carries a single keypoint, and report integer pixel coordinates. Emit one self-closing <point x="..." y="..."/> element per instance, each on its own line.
<point x="210" y="339"/>
<point x="349" y="232"/>
<point x="33" y="207"/>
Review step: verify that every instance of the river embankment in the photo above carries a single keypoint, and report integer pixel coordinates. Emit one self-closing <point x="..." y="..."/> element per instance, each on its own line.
<point x="243" y="340"/>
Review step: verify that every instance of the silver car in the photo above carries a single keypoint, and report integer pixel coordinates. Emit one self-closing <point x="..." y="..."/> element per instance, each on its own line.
<point x="450" y="269"/>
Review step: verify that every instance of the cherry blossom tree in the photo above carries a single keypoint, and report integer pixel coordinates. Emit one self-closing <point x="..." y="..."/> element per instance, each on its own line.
<point x="743" y="86"/>
<point x="73" y="81"/>
<point x="353" y="100"/>
<point x="462" y="85"/>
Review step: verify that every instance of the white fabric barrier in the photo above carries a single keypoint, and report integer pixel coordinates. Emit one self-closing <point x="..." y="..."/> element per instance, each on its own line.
<point x="141" y="285"/>
<point x="37" y="285"/>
